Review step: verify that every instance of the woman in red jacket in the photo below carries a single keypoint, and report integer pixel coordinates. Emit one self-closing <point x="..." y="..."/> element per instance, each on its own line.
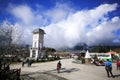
<point x="118" y="65"/>
<point x="58" y="66"/>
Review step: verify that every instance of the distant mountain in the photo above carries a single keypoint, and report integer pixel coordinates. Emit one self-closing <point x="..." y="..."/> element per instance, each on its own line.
<point x="83" y="46"/>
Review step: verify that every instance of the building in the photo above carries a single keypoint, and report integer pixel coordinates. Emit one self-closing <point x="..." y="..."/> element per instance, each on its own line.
<point x="38" y="40"/>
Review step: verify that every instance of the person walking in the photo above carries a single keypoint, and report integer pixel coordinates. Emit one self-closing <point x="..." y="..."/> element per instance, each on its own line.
<point x="108" y="68"/>
<point x="29" y="63"/>
<point x="59" y="66"/>
<point x="118" y="65"/>
<point x="23" y="62"/>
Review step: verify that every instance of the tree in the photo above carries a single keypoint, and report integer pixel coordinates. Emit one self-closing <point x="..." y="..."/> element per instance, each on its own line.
<point x="101" y="49"/>
<point x="48" y="51"/>
<point x="107" y="48"/>
<point x="117" y="50"/>
<point x="9" y="38"/>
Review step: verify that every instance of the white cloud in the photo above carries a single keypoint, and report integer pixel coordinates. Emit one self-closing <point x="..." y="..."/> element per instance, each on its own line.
<point x="58" y="13"/>
<point x="68" y="28"/>
<point x="22" y="12"/>
<point x="115" y="19"/>
<point x="102" y="10"/>
<point x="75" y="29"/>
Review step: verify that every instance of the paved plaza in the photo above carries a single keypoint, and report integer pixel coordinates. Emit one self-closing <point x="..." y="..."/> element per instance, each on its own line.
<point x="69" y="71"/>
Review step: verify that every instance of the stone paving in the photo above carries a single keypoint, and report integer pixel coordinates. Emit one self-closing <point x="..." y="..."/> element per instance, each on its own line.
<point x="69" y="71"/>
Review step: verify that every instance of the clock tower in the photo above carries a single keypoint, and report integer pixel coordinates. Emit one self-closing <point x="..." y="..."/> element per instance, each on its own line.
<point x="37" y="45"/>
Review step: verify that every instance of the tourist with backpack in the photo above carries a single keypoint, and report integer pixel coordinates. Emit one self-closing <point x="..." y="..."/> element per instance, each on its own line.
<point x="108" y="68"/>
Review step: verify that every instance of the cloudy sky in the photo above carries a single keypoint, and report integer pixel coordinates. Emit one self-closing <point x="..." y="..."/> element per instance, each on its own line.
<point x="66" y="22"/>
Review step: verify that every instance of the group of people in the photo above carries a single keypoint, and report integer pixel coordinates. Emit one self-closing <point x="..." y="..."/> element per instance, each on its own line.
<point x="29" y="62"/>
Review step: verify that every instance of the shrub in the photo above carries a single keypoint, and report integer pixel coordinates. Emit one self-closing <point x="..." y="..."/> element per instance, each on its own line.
<point x="79" y="57"/>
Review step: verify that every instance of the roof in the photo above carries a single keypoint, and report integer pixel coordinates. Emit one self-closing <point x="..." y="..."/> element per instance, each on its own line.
<point x="38" y="31"/>
<point x="112" y="52"/>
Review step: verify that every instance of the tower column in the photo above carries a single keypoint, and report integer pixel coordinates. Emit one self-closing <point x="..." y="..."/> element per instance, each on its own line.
<point x="31" y="53"/>
<point x="36" y="54"/>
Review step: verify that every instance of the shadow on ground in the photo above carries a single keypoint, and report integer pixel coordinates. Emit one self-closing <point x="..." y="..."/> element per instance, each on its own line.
<point x="47" y="75"/>
<point x="41" y="76"/>
<point x="117" y="75"/>
<point x="64" y="70"/>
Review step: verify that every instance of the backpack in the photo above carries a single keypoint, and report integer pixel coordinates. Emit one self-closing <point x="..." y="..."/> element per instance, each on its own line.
<point x="108" y="64"/>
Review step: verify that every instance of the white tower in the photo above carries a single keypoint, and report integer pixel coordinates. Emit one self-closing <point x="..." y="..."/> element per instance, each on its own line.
<point x="87" y="57"/>
<point x="38" y="39"/>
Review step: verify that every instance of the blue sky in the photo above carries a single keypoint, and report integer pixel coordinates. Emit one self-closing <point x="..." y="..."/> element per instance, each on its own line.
<point x="48" y="4"/>
<point x="66" y="22"/>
